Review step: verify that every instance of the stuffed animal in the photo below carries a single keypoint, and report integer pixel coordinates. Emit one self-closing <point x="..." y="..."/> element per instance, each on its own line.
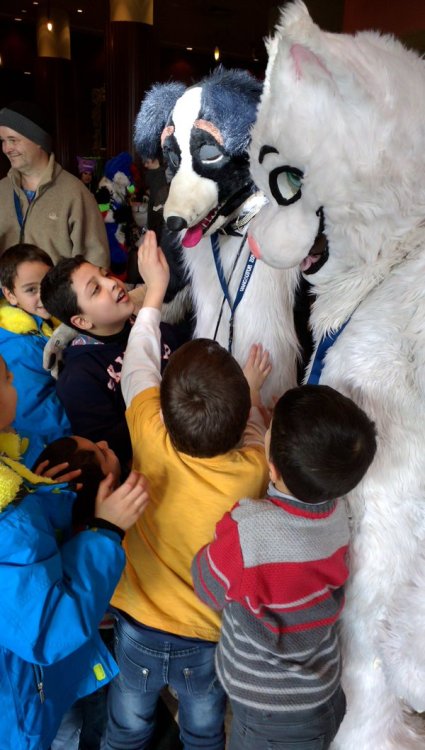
<point x="339" y="149"/>
<point x="113" y="196"/>
<point x="204" y="131"/>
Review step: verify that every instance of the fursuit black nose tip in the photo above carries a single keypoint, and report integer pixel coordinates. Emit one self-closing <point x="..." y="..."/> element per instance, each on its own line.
<point x="176" y="223"/>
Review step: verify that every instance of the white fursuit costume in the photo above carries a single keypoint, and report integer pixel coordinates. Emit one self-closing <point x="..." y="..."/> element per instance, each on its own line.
<point x="341" y="127"/>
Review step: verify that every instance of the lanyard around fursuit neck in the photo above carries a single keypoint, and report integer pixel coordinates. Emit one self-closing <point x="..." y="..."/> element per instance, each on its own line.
<point x="247" y="211"/>
<point x="246" y="275"/>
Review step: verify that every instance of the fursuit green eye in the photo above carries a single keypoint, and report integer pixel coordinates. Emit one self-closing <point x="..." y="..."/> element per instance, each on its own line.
<point x="285" y="184"/>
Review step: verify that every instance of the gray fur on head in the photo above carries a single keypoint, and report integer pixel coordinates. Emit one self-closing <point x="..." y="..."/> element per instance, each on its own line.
<point x="229" y="100"/>
<point x="153" y="115"/>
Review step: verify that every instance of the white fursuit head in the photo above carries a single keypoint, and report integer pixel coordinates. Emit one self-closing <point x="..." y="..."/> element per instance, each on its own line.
<point x="340" y="141"/>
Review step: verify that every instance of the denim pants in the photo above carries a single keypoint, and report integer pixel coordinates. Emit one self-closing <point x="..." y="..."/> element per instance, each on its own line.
<point x="148" y="661"/>
<point x="302" y="730"/>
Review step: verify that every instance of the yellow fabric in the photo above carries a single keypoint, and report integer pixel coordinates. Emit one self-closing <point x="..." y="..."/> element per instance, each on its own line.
<point x="12" y="472"/>
<point x="15" y="320"/>
<point x="188" y="496"/>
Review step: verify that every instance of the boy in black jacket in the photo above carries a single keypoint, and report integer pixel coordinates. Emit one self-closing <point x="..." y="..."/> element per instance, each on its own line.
<point x="98" y="307"/>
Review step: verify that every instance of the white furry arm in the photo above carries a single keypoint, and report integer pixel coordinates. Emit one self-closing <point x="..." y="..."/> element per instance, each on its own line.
<point x="142" y="360"/>
<point x="255" y="429"/>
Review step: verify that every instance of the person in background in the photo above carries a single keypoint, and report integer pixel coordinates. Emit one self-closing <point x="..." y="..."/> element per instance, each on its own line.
<point x="25" y="328"/>
<point x="41" y="203"/>
<point x="86" y="171"/>
<point x="277" y="569"/>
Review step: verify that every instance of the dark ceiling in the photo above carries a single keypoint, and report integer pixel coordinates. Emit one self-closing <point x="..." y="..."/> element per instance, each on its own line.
<point x="236" y="26"/>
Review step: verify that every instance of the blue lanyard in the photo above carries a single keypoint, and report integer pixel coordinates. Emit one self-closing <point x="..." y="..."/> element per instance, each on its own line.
<point x="325" y="343"/>
<point x="21" y="219"/>
<point x="18" y="209"/>
<point x="246" y="275"/>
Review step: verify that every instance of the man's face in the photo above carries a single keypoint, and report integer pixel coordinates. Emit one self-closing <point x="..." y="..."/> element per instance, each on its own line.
<point x="103" y="300"/>
<point x="26" y="288"/>
<point x="22" y="153"/>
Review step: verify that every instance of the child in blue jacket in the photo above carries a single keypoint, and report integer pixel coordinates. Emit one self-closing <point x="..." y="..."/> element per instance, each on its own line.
<point x="52" y="598"/>
<point x="25" y="328"/>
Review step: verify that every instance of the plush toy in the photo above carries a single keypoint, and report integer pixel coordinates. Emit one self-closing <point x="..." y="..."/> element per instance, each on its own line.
<point x="113" y="196"/>
<point x="339" y="150"/>
<point x="204" y="131"/>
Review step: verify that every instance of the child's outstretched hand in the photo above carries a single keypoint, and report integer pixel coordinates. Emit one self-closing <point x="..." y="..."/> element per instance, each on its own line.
<point x="153" y="267"/>
<point x="257" y="369"/>
<point x="124" y="505"/>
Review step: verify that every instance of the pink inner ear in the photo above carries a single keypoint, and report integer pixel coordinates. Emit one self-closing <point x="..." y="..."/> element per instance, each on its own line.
<point x="303" y="56"/>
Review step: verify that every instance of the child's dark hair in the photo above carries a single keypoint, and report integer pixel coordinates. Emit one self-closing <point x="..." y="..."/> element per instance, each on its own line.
<point x="56" y="290"/>
<point x="14" y="256"/>
<point x="66" y="449"/>
<point x="205" y="399"/>
<point x="321" y="442"/>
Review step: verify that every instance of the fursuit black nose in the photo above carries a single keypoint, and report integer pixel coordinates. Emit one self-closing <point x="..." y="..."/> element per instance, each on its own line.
<point x="176" y="223"/>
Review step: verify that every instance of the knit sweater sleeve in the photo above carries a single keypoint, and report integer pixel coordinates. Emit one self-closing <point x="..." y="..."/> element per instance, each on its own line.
<point x="217" y="569"/>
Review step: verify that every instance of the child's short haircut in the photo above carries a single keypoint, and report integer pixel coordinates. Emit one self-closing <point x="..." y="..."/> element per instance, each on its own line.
<point x="205" y="399"/>
<point x="321" y="442"/>
<point x="14" y="256"/>
<point x="56" y="290"/>
<point x="66" y="449"/>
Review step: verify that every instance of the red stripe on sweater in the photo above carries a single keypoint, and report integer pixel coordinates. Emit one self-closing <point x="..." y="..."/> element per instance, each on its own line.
<point x="298" y="511"/>
<point x="304" y="625"/>
<point x="288" y="583"/>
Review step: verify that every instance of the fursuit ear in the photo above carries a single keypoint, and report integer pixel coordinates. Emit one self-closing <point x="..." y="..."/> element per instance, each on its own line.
<point x="153" y="115"/>
<point x="301" y="43"/>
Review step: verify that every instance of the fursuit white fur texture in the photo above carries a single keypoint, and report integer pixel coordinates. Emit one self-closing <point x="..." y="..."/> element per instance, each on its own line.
<point x="349" y="113"/>
<point x="265" y="313"/>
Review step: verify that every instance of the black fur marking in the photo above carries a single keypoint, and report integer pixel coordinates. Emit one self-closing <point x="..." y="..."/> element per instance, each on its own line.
<point x="264" y="150"/>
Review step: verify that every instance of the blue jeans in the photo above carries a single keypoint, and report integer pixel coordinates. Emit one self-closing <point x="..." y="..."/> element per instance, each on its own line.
<point x="301" y="730"/>
<point x="149" y="660"/>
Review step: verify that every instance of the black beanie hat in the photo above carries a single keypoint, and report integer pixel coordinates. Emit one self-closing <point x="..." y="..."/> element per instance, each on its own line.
<point x="28" y="120"/>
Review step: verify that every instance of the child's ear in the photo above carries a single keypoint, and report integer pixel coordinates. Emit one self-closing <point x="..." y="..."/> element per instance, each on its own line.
<point x="274" y="474"/>
<point x="79" y="321"/>
<point x="9" y="296"/>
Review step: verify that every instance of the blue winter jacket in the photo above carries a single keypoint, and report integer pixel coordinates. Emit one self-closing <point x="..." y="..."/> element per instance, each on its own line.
<point x="40" y="416"/>
<point x="51" y="602"/>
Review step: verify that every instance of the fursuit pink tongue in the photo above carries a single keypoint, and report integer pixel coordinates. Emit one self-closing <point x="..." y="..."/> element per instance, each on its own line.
<point x="193" y="236"/>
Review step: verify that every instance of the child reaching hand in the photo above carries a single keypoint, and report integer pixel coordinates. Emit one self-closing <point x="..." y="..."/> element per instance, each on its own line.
<point x="200" y="443"/>
<point x="52" y="598"/>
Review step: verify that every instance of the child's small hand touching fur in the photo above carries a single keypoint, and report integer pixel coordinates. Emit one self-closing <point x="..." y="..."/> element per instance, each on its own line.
<point x="257" y="369"/>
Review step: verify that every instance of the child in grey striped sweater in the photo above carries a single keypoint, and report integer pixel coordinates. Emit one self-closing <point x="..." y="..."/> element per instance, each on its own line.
<point x="277" y="569"/>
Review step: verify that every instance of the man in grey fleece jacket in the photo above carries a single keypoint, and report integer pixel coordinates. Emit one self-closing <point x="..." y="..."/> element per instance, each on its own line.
<point x="43" y="204"/>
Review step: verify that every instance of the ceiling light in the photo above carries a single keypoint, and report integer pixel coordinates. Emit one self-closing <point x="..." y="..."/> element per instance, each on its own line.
<point x="79" y="10"/>
<point x="49" y="26"/>
<point x="17" y="19"/>
<point x="189" y="49"/>
<point x="35" y="2"/>
<point x="27" y="72"/>
<point x="217" y="54"/>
